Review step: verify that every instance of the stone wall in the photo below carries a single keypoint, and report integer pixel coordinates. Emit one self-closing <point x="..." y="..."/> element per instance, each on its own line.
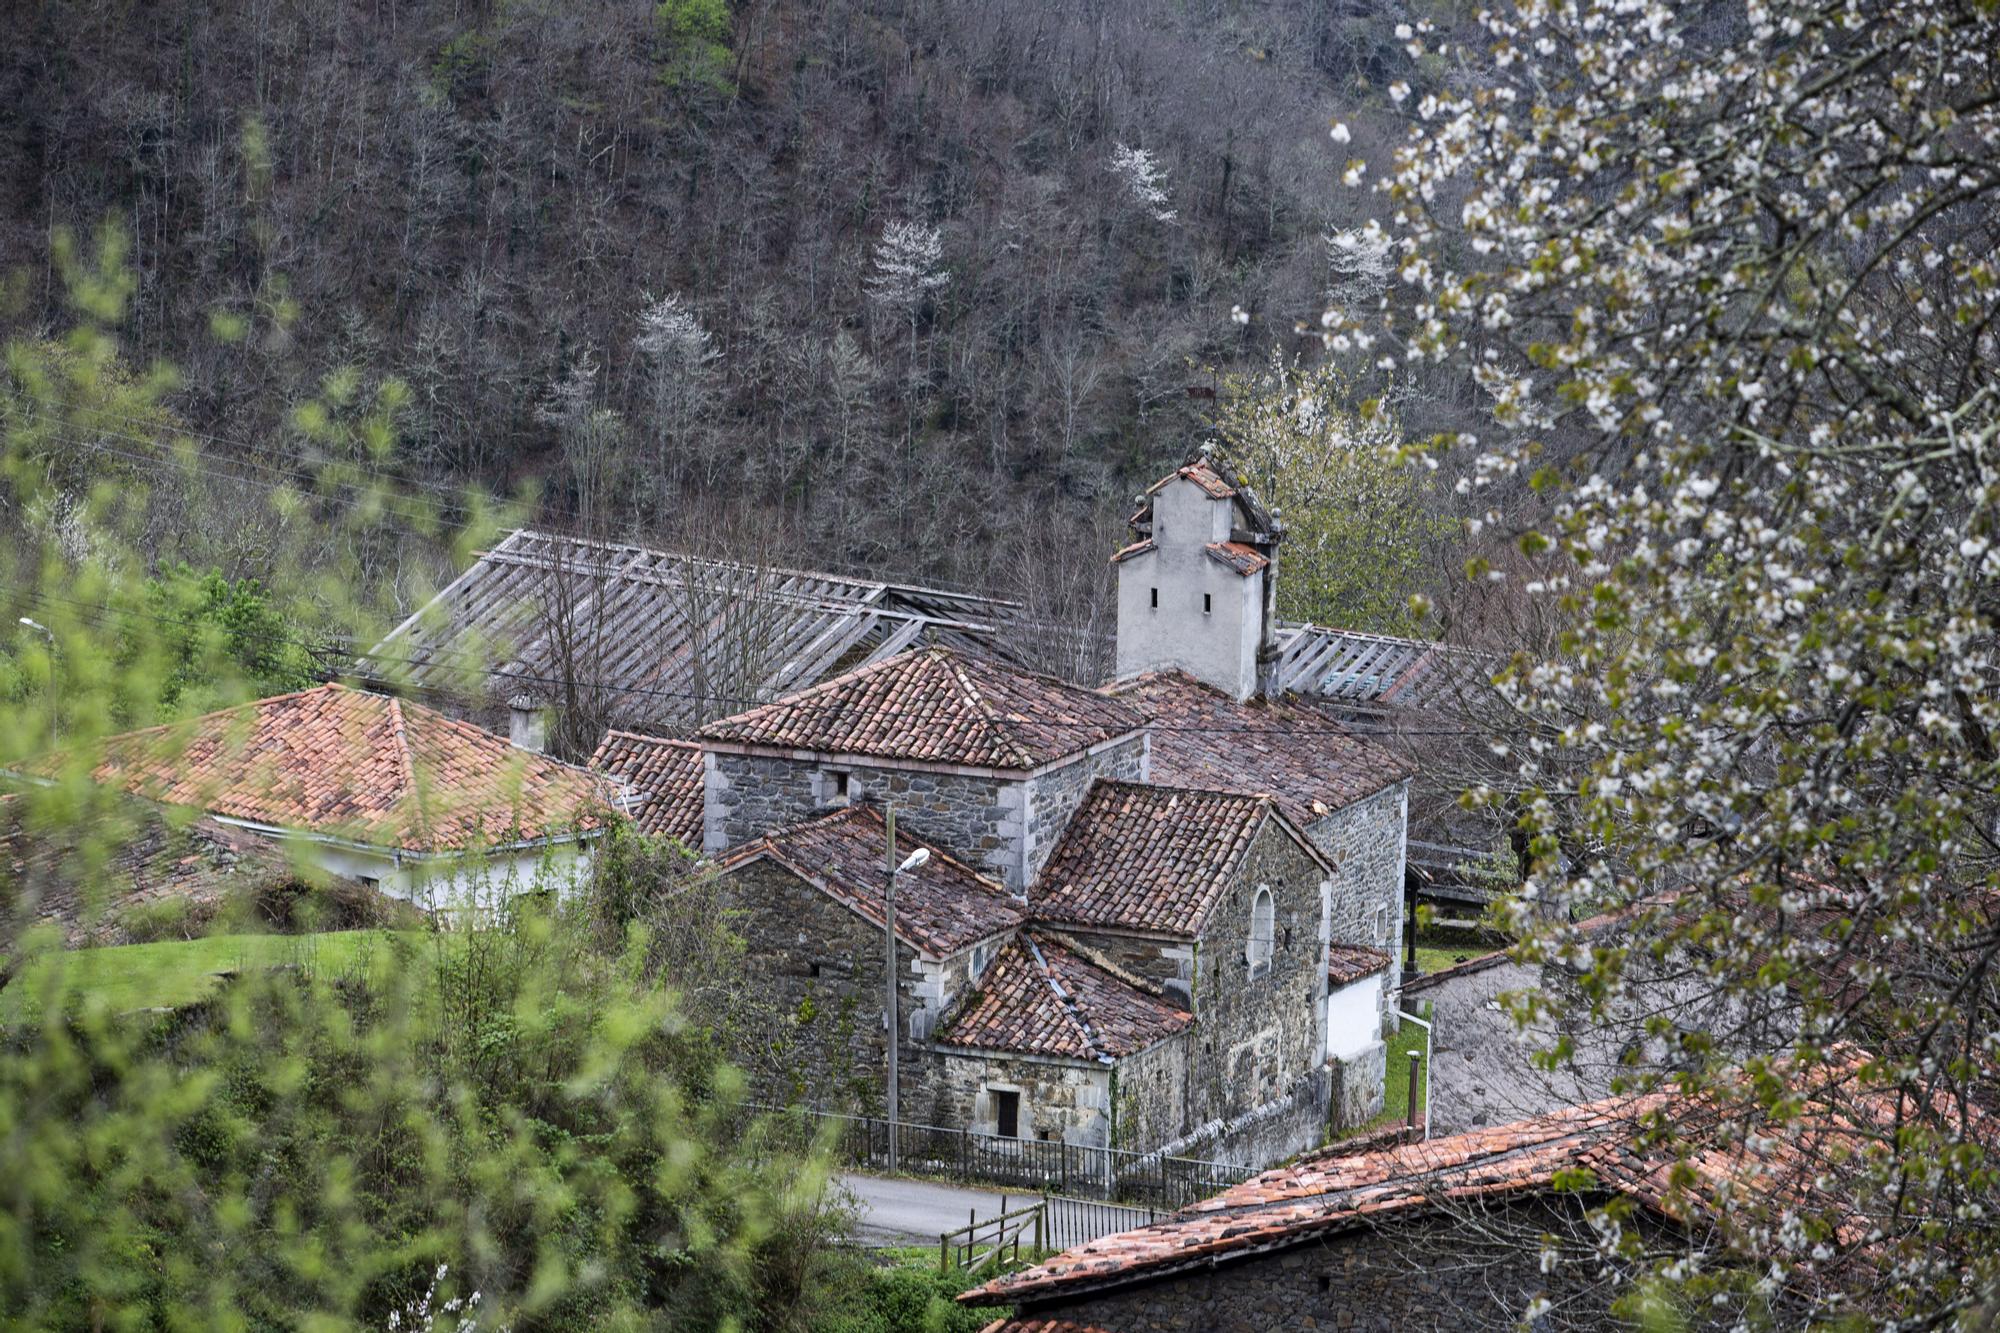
<point x="1259" y="1031"/>
<point x="979" y="820"/>
<point x="821" y="966"/>
<point x="1359" y="1086"/>
<point x="1368" y="842"/>
<point x="1061" y="1100"/>
<point x="1149" y="1092"/>
<point x="1052" y="797"/>
<point x="1429" y="1271"/>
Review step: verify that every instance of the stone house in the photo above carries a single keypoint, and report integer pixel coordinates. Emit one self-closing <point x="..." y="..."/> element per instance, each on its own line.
<point x="982" y="758"/>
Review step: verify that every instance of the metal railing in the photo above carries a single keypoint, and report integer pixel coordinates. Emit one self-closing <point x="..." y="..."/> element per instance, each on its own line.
<point x="1048" y="1224"/>
<point x="1030" y="1165"/>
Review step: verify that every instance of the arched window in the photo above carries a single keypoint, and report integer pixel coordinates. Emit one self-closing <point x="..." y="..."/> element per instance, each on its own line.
<point x="1263" y="930"/>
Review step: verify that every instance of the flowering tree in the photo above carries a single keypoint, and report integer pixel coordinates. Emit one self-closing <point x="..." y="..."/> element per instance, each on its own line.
<point x="680" y="357"/>
<point x="1139" y="170"/>
<point x="1729" y="282"/>
<point x="909" y="266"/>
<point x="1359" y="524"/>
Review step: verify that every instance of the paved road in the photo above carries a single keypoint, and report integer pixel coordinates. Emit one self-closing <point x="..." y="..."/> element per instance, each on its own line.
<point x="902" y="1212"/>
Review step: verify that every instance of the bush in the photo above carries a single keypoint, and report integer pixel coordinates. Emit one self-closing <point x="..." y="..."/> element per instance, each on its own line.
<point x="303" y="1149"/>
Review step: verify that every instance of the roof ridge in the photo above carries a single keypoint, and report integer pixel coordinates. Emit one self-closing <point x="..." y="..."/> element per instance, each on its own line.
<point x="1071" y="1008"/>
<point x="411" y="788"/>
<point x="983" y="706"/>
<point x="845" y="678"/>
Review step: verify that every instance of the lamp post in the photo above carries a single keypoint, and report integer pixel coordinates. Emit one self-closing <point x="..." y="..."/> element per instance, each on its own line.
<point x="55" y="713"/>
<point x="910" y="862"/>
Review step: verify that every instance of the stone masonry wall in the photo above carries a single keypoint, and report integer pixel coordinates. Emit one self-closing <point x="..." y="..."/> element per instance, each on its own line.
<point x="822" y="966"/>
<point x="1061" y="1100"/>
<point x="978" y="820"/>
<point x="1366" y="841"/>
<point x="1257" y="1035"/>
<point x="1052" y="797"/>
<point x="1419" y="1273"/>
<point x="1149" y="1089"/>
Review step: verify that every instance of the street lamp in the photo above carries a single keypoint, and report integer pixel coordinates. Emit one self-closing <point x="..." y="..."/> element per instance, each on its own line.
<point x="54" y="712"/>
<point x="910" y="862"/>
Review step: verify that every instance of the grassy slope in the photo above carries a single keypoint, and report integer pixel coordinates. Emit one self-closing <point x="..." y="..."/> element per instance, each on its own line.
<point x="178" y="972"/>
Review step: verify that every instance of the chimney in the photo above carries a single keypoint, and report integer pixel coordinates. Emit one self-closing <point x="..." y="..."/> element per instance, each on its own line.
<point x="528" y="723"/>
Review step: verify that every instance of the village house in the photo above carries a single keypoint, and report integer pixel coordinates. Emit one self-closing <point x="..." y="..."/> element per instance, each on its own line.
<point x="389" y="793"/>
<point x="1448" y="1230"/>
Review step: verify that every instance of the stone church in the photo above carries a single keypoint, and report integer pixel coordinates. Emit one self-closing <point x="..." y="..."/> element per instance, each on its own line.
<point x="1162" y="915"/>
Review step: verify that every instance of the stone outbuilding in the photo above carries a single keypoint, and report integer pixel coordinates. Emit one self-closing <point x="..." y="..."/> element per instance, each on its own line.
<point x="1056" y="1045"/>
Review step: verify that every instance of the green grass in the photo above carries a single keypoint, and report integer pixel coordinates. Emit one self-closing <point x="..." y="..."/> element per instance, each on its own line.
<point x="172" y="973"/>
<point x="1431" y="959"/>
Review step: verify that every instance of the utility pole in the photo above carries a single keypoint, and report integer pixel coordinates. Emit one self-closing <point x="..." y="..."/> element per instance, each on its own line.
<point x="889" y="944"/>
<point x="55" y="709"/>
<point x="911" y="862"/>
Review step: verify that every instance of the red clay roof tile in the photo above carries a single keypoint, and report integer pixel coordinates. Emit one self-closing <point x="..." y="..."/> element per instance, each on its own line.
<point x="1300" y="754"/>
<point x="1148" y="857"/>
<point x="942" y="906"/>
<point x="940" y="706"/>
<point x="347" y="763"/>
<point x="1038" y="998"/>
<point x="666" y="775"/>
<point x="1238" y="556"/>
<point x="1349" y="963"/>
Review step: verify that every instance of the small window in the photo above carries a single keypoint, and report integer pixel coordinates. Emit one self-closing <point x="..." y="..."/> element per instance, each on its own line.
<point x="1381" y="924"/>
<point x="1156" y="599"/>
<point x="1288" y="939"/>
<point x="1007" y="1110"/>
<point x="1263" y="930"/>
<point x="1207" y="603"/>
<point x="372" y="881"/>
<point x="813" y="970"/>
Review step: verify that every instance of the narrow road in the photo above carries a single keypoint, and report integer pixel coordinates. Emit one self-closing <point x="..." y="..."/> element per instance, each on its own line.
<point x="906" y="1212"/>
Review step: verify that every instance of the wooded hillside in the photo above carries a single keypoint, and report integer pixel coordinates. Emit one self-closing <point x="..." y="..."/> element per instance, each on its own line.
<point x="886" y="279"/>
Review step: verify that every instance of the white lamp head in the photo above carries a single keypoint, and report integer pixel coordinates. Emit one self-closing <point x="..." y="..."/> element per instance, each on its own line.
<point x="914" y="859"/>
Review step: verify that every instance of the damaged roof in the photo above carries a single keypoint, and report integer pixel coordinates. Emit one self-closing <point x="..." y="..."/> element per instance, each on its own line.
<point x="1040" y="998"/>
<point x="942" y="906"/>
<point x="936" y="705"/>
<point x="1309" y="762"/>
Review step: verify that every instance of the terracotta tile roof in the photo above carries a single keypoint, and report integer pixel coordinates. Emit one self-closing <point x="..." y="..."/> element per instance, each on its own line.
<point x="1148" y="857"/>
<point x="666" y="777"/>
<point x="346" y="763"/>
<point x="1039" y="1326"/>
<point x="1038" y="998"/>
<point x="936" y="705"/>
<point x="1349" y="963"/>
<point x="1291" y="748"/>
<point x="1136" y="548"/>
<point x="1611" y="1138"/>
<point x="942" y="906"/>
<point x="1203" y="474"/>
<point x="1239" y="556"/>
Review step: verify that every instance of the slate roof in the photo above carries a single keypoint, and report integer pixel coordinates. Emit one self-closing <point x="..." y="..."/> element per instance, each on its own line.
<point x="664" y="775"/>
<point x="942" y="906"/>
<point x="940" y="706"/>
<point x="1292" y="1205"/>
<point x="346" y="763"/>
<point x="1349" y="963"/>
<point x="1293" y="749"/>
<point x="1240" y="557"/>
<point x="1038" y="998"/>
<point x="1148" y="857"/>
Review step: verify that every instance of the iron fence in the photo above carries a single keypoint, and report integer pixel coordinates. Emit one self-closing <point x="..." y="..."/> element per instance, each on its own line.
<point x="1038" y="1166"/>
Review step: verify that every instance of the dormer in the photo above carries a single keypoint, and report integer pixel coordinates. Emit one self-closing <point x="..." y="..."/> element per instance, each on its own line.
<point x="1195" y="587"/>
